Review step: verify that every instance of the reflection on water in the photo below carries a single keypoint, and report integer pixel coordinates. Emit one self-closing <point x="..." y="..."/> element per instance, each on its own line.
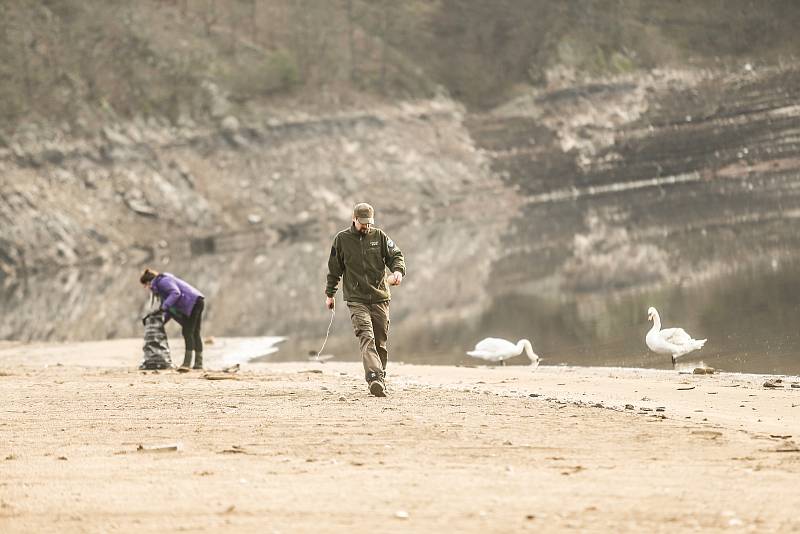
<point x="750" y="317"/>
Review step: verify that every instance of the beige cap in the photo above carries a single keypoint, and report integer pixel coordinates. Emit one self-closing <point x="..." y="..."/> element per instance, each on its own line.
<point x="364" y="213"/>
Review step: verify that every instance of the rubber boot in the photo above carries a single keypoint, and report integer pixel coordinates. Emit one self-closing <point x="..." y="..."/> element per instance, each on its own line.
<point x="198" y="360"/>
<point x="187" y="360"/>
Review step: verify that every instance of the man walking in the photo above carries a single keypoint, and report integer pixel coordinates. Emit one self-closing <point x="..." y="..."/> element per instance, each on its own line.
<point x="361" y="255"/>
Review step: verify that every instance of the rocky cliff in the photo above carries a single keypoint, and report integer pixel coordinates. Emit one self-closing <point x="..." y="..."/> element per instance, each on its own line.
<point x="245" y="209"/>
<point x="620" y="184"/>
<point x="638" y="180"/>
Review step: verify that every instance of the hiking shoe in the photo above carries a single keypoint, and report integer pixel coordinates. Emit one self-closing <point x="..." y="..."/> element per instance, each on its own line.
<point x="377" y="388"/>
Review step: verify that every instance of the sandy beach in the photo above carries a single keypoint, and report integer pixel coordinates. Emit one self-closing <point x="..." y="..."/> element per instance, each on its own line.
<point x="90" y="444"/>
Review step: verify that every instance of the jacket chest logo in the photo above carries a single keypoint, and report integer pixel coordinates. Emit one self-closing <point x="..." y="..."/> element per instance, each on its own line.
<point x="374" y="243"/>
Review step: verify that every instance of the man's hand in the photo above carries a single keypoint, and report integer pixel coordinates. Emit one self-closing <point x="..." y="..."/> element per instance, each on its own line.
<point x="395" y="278"/>
<point x="330" y="303"/>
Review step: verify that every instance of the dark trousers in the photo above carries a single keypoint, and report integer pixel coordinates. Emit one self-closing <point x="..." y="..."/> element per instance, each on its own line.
<point x="190" y="328"/>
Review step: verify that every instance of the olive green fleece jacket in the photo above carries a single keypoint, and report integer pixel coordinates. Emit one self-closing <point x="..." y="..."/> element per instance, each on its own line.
<point x="361" y="260"/>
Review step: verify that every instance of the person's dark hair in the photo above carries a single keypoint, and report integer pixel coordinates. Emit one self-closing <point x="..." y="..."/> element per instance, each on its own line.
<point x="147" y="275"/>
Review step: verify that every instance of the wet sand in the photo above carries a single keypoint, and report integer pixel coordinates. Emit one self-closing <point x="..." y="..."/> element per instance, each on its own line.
<point x="87" y="444"/>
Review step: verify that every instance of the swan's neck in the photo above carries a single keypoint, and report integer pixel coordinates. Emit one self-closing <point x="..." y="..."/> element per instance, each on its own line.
<point x="656" y="323"/>
<point x="525" y="344"/>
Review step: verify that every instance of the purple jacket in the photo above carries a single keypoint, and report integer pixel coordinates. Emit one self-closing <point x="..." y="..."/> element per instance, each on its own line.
<point x="175" y="294"/>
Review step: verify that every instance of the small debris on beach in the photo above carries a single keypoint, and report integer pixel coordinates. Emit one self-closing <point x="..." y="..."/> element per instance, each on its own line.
<point x="573" y="470"/>
<point x="401" y="514"/>
<point x="774" y="383"/>
<point x="686" y="388"/>
<point x="209" y="376"/>
<point x="174" y="447"/>
<point x="788" y="447"/>
<point x="235" y="449"/>
<point x="707" y="434"/>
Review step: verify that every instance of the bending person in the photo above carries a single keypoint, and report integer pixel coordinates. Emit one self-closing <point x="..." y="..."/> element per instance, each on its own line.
<point x="185" y="304"/>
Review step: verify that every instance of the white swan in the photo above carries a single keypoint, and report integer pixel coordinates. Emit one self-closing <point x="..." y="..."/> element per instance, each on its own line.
<point x="674" y="341"/>
<point x="499" y="350"/>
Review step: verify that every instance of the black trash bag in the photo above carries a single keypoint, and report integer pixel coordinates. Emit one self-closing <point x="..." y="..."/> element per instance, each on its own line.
<point x="156" y="346"/>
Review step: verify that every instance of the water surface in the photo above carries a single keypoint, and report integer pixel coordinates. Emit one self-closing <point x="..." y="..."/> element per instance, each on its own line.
<point x="748" y="315"/>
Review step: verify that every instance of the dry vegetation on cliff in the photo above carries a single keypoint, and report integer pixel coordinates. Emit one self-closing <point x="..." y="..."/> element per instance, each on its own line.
<point x="70" y="60"/>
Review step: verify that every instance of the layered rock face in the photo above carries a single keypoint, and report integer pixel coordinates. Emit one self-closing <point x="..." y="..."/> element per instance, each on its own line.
<point x="147" y="188"/>
<point x="245" y="211"/>
<point x="643" y="180"/>
<point x="616" y="185"/>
